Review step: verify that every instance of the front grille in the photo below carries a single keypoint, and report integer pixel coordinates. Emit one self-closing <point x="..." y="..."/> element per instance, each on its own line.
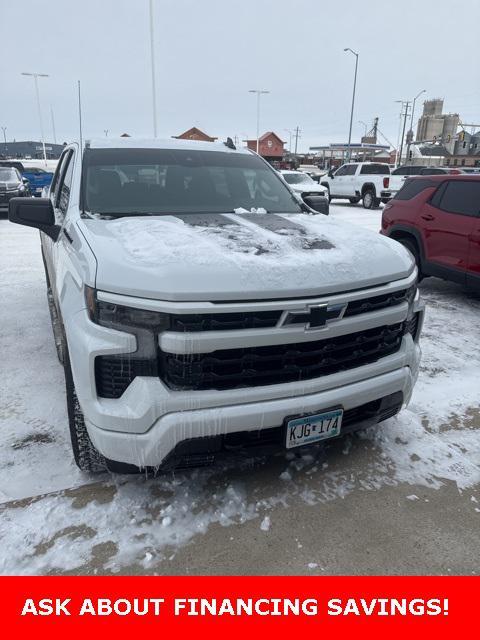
<point x="224" y="321"/>
<point x="249" y="367"/>
<point x="376" y="303"/>
<point x="265" y="319"/>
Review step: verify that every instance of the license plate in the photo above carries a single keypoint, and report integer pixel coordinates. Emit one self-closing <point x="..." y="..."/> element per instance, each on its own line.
<point x="309" y="429"/>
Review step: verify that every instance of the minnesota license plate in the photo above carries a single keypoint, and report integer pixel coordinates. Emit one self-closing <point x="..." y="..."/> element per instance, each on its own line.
<point x="320" y="426"/>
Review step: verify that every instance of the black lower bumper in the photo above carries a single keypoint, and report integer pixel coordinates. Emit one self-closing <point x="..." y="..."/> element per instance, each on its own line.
<point x="204" y="451"/>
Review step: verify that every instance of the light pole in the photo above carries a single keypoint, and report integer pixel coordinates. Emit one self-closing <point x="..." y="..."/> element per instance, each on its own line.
<point x="259" y="93"/>
<point x="410" y="137"/>
<point x="289" y="139"/>
<point x="353" y="100"/>
<point x="152" y="64"/>
<point x="35" y="77"/>
<point x="366" y="127"/>
<point x="4" y="129"/>
<point x="53" y="125"/>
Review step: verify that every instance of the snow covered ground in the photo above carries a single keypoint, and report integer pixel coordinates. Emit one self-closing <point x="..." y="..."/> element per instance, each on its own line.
<point x="53" y="518"/>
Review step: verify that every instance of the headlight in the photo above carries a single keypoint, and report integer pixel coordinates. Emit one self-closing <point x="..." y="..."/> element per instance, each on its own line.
<point x="412" y="294"/>
<point x="143" y="324"/>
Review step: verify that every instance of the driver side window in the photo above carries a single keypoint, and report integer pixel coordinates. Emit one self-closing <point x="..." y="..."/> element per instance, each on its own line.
<point x="342" y="171"/>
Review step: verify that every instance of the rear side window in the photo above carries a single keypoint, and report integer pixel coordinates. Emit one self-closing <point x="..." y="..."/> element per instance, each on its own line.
<point x="411" y="188"/>
<point x="460" y="197"/>
<point x="432" y="172"/>
<point x="375" y="169"/>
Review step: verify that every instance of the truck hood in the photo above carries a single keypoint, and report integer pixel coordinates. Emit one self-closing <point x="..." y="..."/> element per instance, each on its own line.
<point x="308" y="188"/>
<point x="249" y="256"/>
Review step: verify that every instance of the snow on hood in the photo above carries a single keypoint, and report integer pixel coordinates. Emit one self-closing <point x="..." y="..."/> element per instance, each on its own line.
<point x="232" y="257"/>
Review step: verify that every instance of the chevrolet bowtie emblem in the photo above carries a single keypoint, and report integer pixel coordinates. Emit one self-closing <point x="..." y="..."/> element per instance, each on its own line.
<point x="315" y="316"/>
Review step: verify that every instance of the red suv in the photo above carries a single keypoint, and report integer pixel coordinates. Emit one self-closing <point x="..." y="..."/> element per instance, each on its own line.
<point x="437" y="218"/>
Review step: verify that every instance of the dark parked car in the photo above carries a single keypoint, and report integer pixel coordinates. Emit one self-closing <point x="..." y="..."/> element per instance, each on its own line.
<point x="12" y="185"/>
<point x="437" y="218"/>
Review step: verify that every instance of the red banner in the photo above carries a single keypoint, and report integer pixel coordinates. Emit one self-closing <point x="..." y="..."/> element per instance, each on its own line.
<point x="231" y="607"/>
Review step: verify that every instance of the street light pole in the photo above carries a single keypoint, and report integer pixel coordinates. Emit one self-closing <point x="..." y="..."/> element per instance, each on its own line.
<point x="289" y="140"/>
<point x="259" y="93"/>
<point x="35" y="77"/>
<point x="152" y="64"/>
<point x="411" y="121"/>
<point x="4" y="129"/>
<point x="353" y="101"/>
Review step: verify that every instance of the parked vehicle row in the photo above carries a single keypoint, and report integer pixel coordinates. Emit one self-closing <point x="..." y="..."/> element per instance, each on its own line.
<point x="36" y="178"/>
<point x="200" y="307"/>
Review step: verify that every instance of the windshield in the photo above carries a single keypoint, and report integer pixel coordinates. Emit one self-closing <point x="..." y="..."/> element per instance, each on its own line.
<point x="163" y="181"/>
<point x="7" y="174"/>
<point x="298" y="178"/>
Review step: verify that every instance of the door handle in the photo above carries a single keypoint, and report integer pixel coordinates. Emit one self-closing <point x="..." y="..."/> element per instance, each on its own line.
<point x="428" y="217"/>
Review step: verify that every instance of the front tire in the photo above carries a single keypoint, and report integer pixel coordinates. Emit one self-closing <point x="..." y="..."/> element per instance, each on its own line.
<point x="411" y="245"/>
<point x="87" y="458"/>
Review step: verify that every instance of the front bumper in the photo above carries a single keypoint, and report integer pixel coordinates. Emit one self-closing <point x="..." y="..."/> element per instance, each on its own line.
<point x="152" y="448"/>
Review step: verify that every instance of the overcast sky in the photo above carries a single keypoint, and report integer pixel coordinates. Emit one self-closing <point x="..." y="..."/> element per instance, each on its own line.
<point x="209" y="53"/>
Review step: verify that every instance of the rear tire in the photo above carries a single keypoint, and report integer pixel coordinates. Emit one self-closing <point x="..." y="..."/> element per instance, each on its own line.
<point x="369" y="200"/>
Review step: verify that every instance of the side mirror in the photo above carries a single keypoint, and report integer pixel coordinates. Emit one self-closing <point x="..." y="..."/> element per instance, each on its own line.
<point x="331" y="174"/>
<point x="318" y="203"/>
<point x="34" y="212"/>
<point x="25" y="181"/>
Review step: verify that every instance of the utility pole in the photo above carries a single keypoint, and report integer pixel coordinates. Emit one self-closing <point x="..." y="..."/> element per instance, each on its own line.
<point x="353" y="102"/>
<point x="259" y="93"/>
<point x="35" y="77"/>
<point x="152" y="64"/>
<point x="297" y="135"/>
<point x="405" y="105"/>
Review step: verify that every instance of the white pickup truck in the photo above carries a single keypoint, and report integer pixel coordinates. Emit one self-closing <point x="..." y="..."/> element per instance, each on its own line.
<point x="200" y="308"/>
<point x="366" y="181"/>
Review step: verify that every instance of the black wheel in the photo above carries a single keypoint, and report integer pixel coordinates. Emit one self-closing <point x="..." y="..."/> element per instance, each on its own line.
<point x="86" y="456"/>
<point x="369" y="200"/>
<point x="354" y="200"/>
<point x="411" y="245"/>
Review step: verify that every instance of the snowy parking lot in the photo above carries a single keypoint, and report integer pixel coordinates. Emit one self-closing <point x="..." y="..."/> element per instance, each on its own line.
<point x="402" y="497"/>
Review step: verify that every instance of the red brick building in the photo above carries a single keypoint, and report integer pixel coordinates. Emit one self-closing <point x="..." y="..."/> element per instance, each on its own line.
<point x="195" y="134"/>
<point x="270" y="147"/>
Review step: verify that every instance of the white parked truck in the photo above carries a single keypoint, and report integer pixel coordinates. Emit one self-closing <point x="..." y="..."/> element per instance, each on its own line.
<point x="365" y="181"/>
<point x="199" y="307"/>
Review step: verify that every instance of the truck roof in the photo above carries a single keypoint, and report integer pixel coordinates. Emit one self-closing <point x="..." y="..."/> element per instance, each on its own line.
<point x="158" y="143"/>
